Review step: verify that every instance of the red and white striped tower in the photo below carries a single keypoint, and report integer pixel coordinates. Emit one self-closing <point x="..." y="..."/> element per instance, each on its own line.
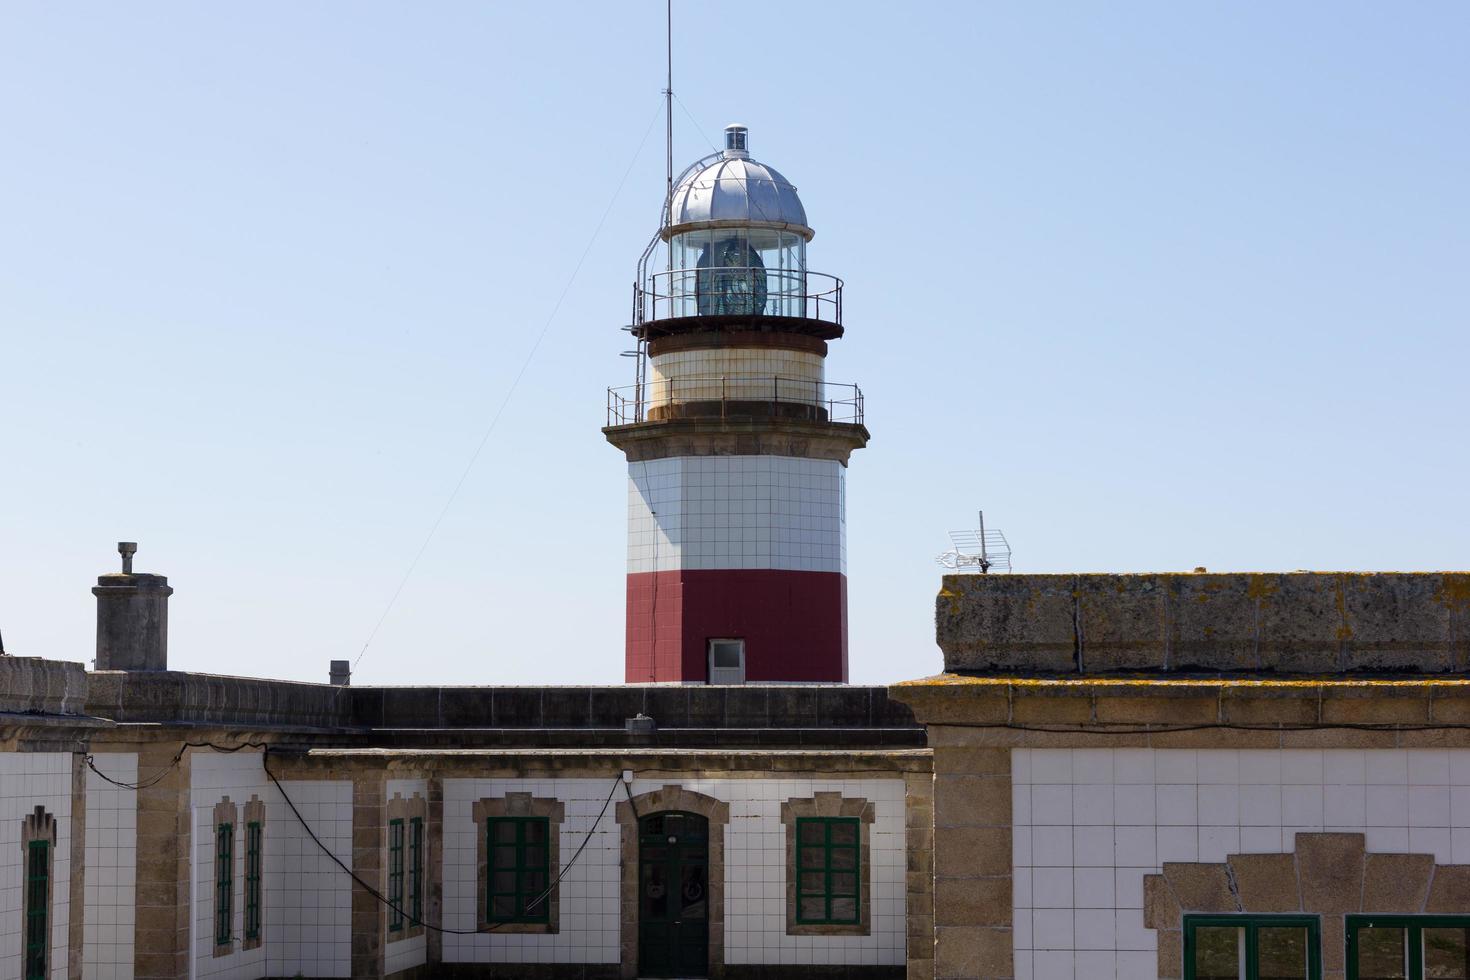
<point x="737" y="445"/>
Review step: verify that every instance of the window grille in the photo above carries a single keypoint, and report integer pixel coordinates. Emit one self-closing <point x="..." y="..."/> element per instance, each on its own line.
<point x="1252" y="947"/>
<point x="224" y="883"/>
<point x="253" y="835"/>
<point x="38" y="909"/>
<point x="519" y="869"/>
<point x="1414" y="947"/>
<point x="395" y="875"/>
<point x="829" y="878"/>
<point x="416" y="869"/>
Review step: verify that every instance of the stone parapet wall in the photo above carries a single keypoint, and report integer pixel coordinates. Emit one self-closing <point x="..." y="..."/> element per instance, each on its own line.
<point x="752" y="706"/>
<point x="207" y="699"/>
<point x="1175" y="712"/>
<point x="41" y="693"/>
<point x="1295" y="623"/>
<point x="176" y="697"/>
<point x="30" y="685"/>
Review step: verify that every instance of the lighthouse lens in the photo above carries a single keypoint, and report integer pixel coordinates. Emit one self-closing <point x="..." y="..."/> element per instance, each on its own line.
<point x="730" y="278"/>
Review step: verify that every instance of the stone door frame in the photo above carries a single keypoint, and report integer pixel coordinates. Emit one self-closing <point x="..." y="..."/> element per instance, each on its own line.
<point x="629" y="813"/>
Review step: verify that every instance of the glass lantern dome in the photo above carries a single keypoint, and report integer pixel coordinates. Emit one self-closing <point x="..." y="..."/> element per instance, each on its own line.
<point x="736" y="234"/>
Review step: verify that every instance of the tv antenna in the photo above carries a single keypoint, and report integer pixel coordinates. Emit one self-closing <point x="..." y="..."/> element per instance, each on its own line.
<point x="977" y="550"/>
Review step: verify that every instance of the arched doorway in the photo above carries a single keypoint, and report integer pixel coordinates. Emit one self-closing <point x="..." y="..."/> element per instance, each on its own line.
<point x="673" y="895"/>
<point x="709" y="816"/>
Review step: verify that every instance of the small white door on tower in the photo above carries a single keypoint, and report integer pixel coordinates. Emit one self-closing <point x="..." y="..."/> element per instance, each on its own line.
<point x="727" y="661"/>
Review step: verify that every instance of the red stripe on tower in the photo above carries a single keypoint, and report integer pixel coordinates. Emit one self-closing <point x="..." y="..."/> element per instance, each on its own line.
<point x="737" y="445"/>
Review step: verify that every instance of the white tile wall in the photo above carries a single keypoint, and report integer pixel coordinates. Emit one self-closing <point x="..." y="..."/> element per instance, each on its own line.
<point x="755" y="875"/>
<point x="1089" y="824"/>
<point x="28" y="780"/>
<point x="308" y="913"/>
<point x="589" y="892"/>
<point x="111" y="866"/>
<point x="737" y="512"/>
<point x="404" y="953"/>
<point x="308" y="899"/>
<point x="755" y="889"/>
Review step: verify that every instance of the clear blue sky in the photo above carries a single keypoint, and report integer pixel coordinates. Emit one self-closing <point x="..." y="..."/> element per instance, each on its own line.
<point x="1158" y="285"/>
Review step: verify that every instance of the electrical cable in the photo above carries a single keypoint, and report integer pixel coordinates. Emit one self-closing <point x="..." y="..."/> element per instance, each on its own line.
<point x="178" y="757"/>
<point x="157" y="777"/>
<point x="700" y="129"/>
<point x="388" y="903"/>
<point x="510" y="392"/>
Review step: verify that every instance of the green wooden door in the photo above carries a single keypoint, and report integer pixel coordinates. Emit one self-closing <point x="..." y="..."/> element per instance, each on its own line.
<point x="673" y="895"/>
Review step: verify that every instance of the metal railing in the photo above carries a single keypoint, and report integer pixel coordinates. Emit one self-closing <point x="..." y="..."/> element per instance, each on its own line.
<point x="741" y="290"/>
<point x="739" y="397"/>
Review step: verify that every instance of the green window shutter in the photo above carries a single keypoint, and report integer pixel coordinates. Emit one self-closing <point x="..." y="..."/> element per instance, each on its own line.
<point x="38" y="909"/>
<point x="224" y="883"/>
<point x="416" y="870"/>
<point x="828" y="870"/>
<point x="253" y="866"/>
<point x="395" y="875"/>
<point x="519" y="869"/>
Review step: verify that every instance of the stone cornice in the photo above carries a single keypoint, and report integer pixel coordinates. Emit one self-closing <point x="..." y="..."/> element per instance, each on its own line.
<point x="738" y="437"/>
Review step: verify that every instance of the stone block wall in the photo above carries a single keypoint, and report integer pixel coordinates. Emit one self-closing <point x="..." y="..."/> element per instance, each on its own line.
<point x="30" y="685"/>
<point x="1298" y="622"/>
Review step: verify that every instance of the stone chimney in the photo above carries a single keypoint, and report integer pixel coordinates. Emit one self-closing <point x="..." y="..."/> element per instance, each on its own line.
<point x="132" y="617"/>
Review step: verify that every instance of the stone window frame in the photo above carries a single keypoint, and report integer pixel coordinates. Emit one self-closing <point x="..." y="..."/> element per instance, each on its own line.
<point x="828" y="805"/>
<point x="1330" y="875"/>
<point x="225" y="814"/>
<point x="416" y="807"/>
<point x="629" y="813"/>
<point x="518" y="805"/>
<point x="38" y="826"/>
<point x="254" y="816"/>
<point x="1253" y="923"/>
<point x="1410" y="924"/>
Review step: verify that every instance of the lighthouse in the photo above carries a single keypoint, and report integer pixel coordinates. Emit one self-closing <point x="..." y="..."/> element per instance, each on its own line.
<point x="737" y="444"/>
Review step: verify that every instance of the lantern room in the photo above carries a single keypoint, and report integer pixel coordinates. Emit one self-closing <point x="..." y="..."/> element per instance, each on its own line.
<point x="736" y="236"/>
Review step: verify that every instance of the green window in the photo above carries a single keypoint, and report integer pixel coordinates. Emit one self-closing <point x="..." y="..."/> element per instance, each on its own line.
<point x="224" y="883"/>
<point x="520" y="869"/>
<point x="416" y="869"/>
<point x="253" y="831"/>
<point x="38" y="909"/>
<point x="1408" y="947"/>
<point x="828" y="872"/>
<point x="1252" y="947"/>
<point x="395" y="875"/>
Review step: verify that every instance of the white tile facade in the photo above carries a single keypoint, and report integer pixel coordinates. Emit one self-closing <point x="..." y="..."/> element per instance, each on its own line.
<point x="307" y="897"/>
<point x="111" y="869"/>
<point x="703" y="512"/>
<point x="755" y="917"/>
<point x="1089" y="824"/>
<point x="755" y="874"/>
<point x="404" y="953"/>
<point x="28" y="780"/>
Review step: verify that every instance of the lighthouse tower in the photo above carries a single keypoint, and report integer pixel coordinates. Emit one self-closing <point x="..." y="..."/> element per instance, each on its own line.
<point x="737" y="444"/>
